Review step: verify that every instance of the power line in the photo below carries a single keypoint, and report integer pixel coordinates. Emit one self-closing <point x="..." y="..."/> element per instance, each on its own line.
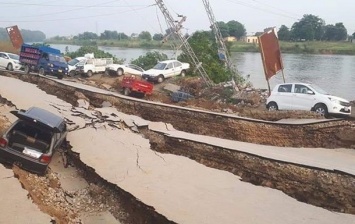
<point x="273" y="7"/>
<point x="56" y="5"/>
<point x="70" y="10"/>
<point x="84" y="17"/>
<point x="260" y="9"/>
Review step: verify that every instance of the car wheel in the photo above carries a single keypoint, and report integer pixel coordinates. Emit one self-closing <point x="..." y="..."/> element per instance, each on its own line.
<point x="272" y="106"/>
<point x="89" y="73"/>
<point x="183" y="73"/>
<point x="27" y="69"/>
<point x="126" y="91"/>
<point x="321" y="109"/>
<point x="160" y="78"/>
<point x="120" y="71"/>
<point x="10" y="67"/>
<point x="41" y="71"/>
<point x="60" y="76"/>
<point x="72" y="73"/>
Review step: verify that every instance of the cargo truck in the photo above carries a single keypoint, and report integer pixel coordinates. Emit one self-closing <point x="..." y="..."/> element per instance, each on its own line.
<point x="44" y="60"/>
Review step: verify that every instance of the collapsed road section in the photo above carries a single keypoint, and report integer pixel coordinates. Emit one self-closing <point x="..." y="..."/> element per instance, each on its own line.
<point x="316" y="133"/>
<point x="161" y="187"/>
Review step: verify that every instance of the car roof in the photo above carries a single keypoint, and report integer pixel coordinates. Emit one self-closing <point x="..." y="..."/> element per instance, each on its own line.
<point x="168" y="61"/>
<point x="292" y="83"/>
<point x="43" y="116"/>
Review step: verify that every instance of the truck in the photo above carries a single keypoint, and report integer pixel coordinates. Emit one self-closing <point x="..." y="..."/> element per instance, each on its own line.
<point x="88" y="65"/>
<point x="132" y="84"/>
<point x="44" y="60"/>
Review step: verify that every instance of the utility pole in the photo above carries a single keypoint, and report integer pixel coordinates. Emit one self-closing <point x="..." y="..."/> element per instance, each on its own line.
<point x="222" y="49"/>
<point x="176" y="26"/>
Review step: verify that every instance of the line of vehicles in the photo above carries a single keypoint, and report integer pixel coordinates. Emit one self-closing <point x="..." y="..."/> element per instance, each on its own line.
<point x="47" y="60"/>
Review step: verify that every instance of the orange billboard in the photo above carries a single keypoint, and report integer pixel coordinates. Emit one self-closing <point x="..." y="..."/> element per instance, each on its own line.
<point x="15" y="36"/>
<point x="270" y="53"/>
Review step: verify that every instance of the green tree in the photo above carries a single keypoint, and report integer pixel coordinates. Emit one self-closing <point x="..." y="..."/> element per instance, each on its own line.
<point x="335" y="32"/>
<point x="87" y="36"/>
<point x="109" y="35"/>
<point x="149" y="60"/>
<point x="236" y="29"/>
<point x="123" y="36"/>
<point x="206" y="51"/>
<point x="93" y="49"/>
<point x="224" y="28"/>
<point x="284" y="33"/>
<point x="310" y="27"/>
<point x="158" y="36"/>
<point x="145" y="35"/>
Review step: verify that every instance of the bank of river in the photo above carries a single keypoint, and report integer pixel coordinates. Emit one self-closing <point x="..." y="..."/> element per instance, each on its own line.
<point x="334" y="73"/>
<point x="307" y="47"/>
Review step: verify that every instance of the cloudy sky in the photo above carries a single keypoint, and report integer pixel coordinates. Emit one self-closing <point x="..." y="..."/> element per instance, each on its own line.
<point x="68" y="17"/>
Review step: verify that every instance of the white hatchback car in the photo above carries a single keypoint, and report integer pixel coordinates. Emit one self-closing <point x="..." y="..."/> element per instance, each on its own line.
<point x="9" y="61"/>
<point x="302" y="96"/>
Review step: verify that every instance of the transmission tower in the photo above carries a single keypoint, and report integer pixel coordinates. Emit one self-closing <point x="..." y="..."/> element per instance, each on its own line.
<point x="176" y="26"/>
<point x="222" y="49"/>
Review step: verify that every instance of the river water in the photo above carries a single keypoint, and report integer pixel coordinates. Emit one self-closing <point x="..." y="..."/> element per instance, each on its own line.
<point x="334" y="73"/>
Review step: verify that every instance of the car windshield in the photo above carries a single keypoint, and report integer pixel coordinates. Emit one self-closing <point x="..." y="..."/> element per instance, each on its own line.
<point x="160" y="66"/>
<point x="14" y="56"/>
<point x="73" y="62"/>
<point x="319" y="90"/>
<point x="57" y="58"/>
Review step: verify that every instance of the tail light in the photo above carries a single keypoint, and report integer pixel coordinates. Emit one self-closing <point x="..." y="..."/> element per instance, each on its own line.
<point x="3" y="142"/>
<point x="45" y="159"/>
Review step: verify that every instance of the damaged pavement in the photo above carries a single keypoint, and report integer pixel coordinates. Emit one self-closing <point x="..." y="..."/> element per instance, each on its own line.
<point x="150" y="171"/>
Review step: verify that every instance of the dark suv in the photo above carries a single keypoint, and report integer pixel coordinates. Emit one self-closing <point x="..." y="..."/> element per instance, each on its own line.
<point x="31" y="141"/>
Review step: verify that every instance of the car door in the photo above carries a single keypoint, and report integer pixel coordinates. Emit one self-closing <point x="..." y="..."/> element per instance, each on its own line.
<point x="169" y="70"/>
<point x="178" y="68"/>
<point x="303" y="97"/>
<point x="284" y="96"/>
<point x="3" y="60"/>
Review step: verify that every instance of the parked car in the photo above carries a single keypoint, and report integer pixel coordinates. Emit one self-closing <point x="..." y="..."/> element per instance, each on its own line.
<point x="166" y="69"/>
<point x="10" y="61"/>
<point x="32" y="139"/>
<point x="119" y="70"/>
<point x="74" y="65"/>
<point x="302" y="96"/>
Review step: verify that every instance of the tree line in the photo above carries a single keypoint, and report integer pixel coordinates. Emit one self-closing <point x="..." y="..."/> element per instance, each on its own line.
<point x="27" y="35"/>
<point x="311" y="27"/>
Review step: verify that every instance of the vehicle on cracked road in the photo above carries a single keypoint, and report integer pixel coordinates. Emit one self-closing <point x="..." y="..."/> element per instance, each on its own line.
<point x="10" y="61"/>
<point x="302" y="96"/>
<point x="166" y="69"/>
<point x="32" y="139"/>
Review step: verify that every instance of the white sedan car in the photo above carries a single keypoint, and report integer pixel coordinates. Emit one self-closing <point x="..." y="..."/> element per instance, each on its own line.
<point x="9" y="61"/>
<point x="166" y="69"/>
<point x="118" y="70"/>
<point x="302" y="96"/>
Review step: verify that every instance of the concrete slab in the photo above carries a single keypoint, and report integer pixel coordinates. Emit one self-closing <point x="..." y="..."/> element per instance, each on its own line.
<point x="15" y="206"/>
<point x="185" y="191"/>
<point x="103" y="217"/>
<point x="329" y="159"/>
